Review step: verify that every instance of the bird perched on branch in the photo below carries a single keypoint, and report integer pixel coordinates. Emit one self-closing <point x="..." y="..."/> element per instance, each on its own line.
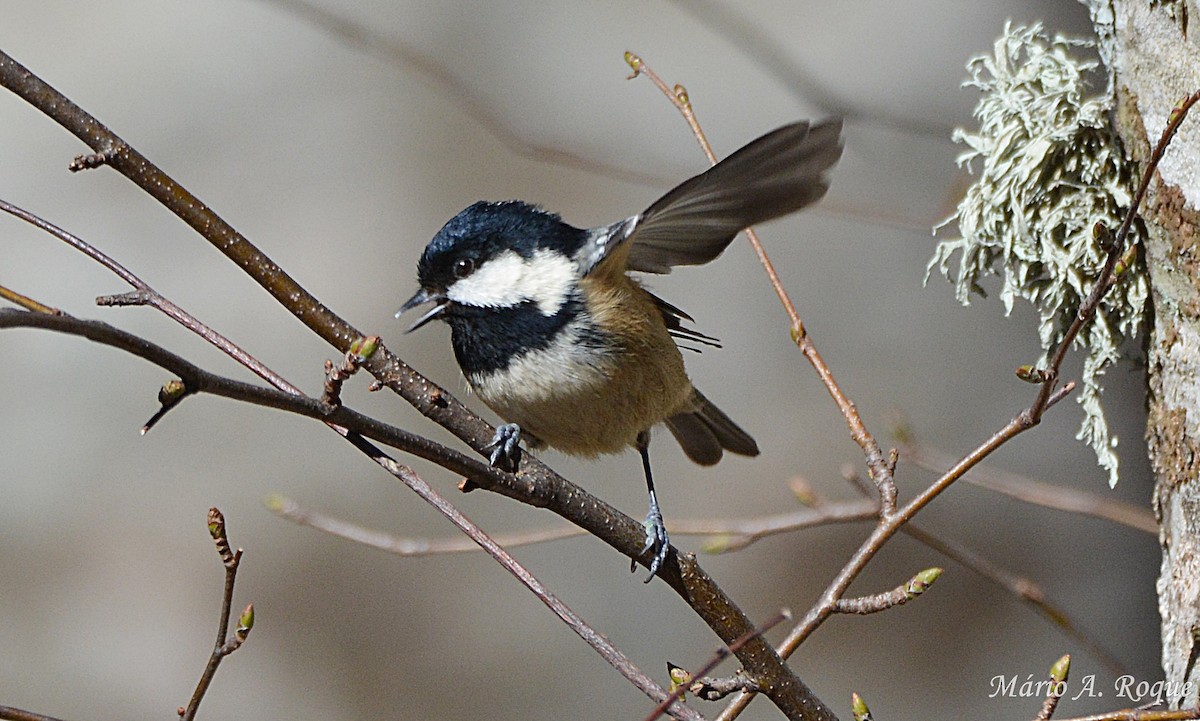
<point x="554" y="335"/>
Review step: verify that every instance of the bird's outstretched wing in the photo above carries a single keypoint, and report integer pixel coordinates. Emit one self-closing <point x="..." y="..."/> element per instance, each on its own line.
<point x="779" y="173"/>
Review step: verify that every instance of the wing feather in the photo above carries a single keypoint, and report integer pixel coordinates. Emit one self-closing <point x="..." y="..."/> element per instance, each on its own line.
<point x="779" y="173"/>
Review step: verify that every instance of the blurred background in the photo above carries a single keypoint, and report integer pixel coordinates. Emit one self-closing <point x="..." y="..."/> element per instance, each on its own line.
<point x="339" y="137"/>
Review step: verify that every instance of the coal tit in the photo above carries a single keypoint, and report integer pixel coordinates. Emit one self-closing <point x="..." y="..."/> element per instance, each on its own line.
<point x="554" y="335"/>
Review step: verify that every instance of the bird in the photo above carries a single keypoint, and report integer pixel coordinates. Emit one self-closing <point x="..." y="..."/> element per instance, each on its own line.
<point x="554" y="335"/>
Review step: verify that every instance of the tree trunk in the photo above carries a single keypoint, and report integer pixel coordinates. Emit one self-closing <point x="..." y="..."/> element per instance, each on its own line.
<point x="1152" y="50"/>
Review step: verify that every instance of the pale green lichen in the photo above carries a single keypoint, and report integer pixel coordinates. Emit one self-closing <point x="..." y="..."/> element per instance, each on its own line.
<point x="1051" y="168"/>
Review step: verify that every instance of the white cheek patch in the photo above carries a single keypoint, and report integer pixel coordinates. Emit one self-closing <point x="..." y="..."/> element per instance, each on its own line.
<point x="509" y="280"/>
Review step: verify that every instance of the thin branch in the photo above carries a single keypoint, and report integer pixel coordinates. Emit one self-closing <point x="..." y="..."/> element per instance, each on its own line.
<point x="1106" y="278"/>
<point x="1188" y="714"/>
<point x="536" y="484"/>
<point x="1038" y="493"/>
<point x="720" y="655"/>
<point x="224" y="646"/>
<point x="725" y="535"/>
<point x="1024" y="588"/>
<point x="898" y="596"/>
<point x="876" y="461"/>
<point x="622" y="663"/>
<point x="1056" y="688"/>
<point x="198" y="380"/>
<point x="887" y="527"/>
<point x="145" y="295"/>
<point x="8" y="713"/>
<point x="289" y="510"/>
<point x="26" y="302"/>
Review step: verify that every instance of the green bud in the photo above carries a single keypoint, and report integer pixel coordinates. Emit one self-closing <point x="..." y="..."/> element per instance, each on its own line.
<point x="171" y="391"/>
<point x="364" y="348"/>
<point x="858" y="707"/>
<point x="1060" y="669"/>
<point x="919" y="583"/>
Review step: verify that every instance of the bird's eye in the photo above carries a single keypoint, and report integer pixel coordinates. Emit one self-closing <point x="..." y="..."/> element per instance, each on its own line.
<point x="463" y="267"/>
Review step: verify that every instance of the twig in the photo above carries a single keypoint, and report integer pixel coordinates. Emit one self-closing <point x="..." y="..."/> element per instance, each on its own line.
<point x="8" y="713"/>
<point x="876" y="461"/>
<point x="1025" y="589"/>
<point x="224" y="645"/>
<point x="26" y="302"/>
<point x="720" y="655"/>
<point x="335" y="376"/>
<point x="898" y="596"/>
<point x="1188" y="714"/>
<point x="725" y="535"/>
<point x="622" y="663"/>
<point x="1037" y="492"/>
<point x="1058" y="684"/>
<point x="290" y="510"/>
<point x="144" y="294"/>
<point x="198" y="380"/>
<point x="1104" y="281"/>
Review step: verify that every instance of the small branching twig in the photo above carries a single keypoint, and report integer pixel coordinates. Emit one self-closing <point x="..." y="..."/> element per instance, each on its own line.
<point x="720" y="655"/>
<point x="898" y="596"/>
<point x="1024" y="588"/>
<point x="1116" y="254"/>
<point x="1049" y="394"/>
<point x="335" y="376"/>
<point x="709" y="688"/>
<point x="880" y="466"/>
<point x="225" y="645"/>
<point x="89" y="161"/>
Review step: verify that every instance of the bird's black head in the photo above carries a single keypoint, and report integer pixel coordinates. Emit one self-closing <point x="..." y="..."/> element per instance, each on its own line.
<point x="498" y="256"/>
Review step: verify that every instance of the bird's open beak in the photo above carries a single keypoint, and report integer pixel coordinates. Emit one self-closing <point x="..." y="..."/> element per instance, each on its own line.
<point x="421" y="297"/>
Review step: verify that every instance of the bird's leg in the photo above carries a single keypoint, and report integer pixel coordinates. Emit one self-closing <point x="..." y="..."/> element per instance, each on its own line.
<point x="506" y="448"/>
<point x="656" y="531"/>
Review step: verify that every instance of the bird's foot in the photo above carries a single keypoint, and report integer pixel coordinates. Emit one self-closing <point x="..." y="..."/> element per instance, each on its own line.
<point x="657" y="540"/>
<point x="506" y="447"/>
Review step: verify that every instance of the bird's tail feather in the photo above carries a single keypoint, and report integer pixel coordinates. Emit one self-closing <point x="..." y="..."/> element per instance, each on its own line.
<point x="706" y="432"/>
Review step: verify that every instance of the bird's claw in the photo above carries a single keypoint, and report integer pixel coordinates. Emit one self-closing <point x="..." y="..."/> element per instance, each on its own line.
<point x="657" y="540"/>
<point x="506" y="447"/>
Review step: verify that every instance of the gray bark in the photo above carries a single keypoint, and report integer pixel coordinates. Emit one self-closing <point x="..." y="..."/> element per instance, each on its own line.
<point x="1152" y="50"/>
